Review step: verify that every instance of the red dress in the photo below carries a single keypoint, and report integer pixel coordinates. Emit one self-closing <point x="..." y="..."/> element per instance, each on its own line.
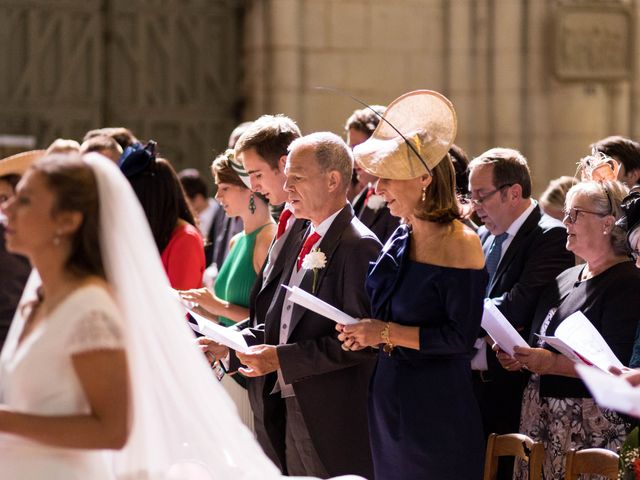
<point x="183" y="258"/>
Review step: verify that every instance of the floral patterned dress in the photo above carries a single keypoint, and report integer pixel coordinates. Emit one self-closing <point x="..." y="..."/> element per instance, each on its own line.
<point x="559" y="411"/>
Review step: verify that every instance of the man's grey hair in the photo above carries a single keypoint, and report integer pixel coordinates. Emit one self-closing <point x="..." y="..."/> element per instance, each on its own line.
<point x="331" y="152"/>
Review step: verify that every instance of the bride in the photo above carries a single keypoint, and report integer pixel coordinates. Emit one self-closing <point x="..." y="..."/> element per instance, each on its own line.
<point x="99" y="376"/>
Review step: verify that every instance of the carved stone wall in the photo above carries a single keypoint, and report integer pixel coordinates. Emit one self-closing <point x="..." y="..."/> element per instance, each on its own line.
<point x="548" y="77"/>
<point x="167" y="69"/>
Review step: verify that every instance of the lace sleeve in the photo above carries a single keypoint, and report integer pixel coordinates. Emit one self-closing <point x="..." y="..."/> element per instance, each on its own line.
<point x="97" y="330"/>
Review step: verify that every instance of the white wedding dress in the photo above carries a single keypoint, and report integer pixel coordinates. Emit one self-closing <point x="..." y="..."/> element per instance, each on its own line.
<point x="37" y="377"/>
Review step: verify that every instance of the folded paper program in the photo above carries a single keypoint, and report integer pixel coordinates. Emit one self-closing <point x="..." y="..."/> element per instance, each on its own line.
<point x="227" y="336"/>
<point x="611" y="391"/>
<point x="499" y="329"/>
<point x="313" y="303"/>
<point x="580" y="341"/>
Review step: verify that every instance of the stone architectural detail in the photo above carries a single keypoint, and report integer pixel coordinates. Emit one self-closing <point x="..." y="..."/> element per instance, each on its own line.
<point x="513" y="82"/>
<point x="164" y="68"/>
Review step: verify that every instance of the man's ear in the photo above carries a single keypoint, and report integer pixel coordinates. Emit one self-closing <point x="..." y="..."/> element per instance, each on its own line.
<point x="515" y="192"/>
<point x="282" y="161"/>
<point x="334" y="180"/>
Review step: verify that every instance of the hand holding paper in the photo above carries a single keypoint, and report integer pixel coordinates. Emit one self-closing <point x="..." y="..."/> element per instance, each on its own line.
<point x="611" y="391"/>
<point x="223" y="335"/>
<point x="580" y="341"/>
<point x="499" y="328"/>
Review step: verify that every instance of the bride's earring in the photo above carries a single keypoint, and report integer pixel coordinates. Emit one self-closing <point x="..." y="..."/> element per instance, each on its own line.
<point x="252" y="204"/>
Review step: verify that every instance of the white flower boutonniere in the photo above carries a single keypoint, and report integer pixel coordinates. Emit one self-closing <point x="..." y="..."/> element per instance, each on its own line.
<point x="314" y="260"/>
<point x="376" y="202"/>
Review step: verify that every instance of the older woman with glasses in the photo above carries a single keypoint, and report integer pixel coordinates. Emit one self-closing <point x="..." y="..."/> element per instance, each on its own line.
<point x="557" y="409"/>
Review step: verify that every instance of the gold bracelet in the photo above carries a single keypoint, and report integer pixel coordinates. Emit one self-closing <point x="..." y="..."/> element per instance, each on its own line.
<point x="384" y="335"/>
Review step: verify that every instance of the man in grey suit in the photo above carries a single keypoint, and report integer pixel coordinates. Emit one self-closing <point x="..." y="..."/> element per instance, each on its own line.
<point x="297" y="357"/>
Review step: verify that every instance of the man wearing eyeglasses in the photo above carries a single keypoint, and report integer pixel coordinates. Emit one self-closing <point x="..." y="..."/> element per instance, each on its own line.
<point x="524" y="252"/>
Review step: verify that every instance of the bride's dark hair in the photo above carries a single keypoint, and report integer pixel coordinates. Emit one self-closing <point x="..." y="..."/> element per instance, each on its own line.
<point x="74" y="185"/>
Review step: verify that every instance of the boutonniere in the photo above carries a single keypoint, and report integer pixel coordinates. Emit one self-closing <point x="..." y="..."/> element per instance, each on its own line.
<point x="375" y="202"/>
<point x="314" y="260"/>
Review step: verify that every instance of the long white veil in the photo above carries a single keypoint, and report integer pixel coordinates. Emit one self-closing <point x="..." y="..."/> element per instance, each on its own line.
<point x="184" y="425"/>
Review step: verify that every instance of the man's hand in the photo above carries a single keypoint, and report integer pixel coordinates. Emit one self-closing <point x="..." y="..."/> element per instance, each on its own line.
<point x="261" y="360"/>
<point x="212" y="350"/>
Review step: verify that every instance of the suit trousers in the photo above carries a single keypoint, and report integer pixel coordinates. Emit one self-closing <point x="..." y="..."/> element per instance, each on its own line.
<point x="302" y="457"/>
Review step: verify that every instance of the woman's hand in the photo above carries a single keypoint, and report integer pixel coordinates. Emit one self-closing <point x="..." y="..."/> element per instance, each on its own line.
<point x="536" y="360"/>
<point x="506" y="360"/>
<point x="204" y="298"/>
<point x="365" y="333"/>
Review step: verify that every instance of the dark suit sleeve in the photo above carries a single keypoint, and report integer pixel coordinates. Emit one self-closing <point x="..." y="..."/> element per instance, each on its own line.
<point x="546" y="259"/>
<point x="324" y="354"/>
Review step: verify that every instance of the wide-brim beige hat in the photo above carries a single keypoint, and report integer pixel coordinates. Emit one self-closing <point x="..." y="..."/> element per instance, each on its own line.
<point x="426" y="119"/>
<point x="19" y="163"/>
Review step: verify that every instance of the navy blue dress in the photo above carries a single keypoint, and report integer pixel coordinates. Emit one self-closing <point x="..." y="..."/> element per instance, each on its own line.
<point x="423" y="417"/>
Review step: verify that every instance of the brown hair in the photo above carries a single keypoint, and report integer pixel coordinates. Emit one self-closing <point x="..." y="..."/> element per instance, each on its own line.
<point x="74" y="185"/>
<point x="100" y="143"/>
<point x="270" y="135"/>
<point x="510" y="167"/>
<point x="223" y="172"/>
<point x="365" y="120"/>
<point x="440" y="204"/>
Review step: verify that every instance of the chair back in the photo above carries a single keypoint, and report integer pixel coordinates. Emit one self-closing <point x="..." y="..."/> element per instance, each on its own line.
<point x="513" y="445"/>
<point x="595" y="461"/>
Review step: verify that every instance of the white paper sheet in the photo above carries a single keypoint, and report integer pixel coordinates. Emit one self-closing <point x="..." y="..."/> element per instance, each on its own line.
<point x="499" y="328"/>
<point x="225" y="335"/>
<point x="580" y="341"/>
<point x="313" y="303"/>
<point x="611" y="391"/>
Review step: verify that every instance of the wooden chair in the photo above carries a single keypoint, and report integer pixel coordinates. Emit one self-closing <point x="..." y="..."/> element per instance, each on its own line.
<point x="513" y="445"/>
<point x="595" y="461"/>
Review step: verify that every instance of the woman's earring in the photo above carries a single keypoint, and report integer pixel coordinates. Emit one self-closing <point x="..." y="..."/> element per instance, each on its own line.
<point x="252" y="204"/>
<point x="424" y="194"/>
<point x="56" y="238"/>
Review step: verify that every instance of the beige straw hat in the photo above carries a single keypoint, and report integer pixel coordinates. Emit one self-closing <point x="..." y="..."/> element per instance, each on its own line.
<point x="19" y="163"/>
<point x="427" y="120"/>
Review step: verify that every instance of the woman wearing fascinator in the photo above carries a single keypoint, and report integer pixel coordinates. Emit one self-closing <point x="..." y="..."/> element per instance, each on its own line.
<point x="426" y="290"/>
<point x="557" y="408"/>
<point x="97" y="378"/>
<point x="171" y="220"/>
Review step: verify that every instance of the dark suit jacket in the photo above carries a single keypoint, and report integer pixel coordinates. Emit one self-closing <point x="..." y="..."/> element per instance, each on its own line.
<point x="379" y="221"/>
<point x="14" y="271"/>
<point x="533" y="259"/>
<point x="331" y="385"/>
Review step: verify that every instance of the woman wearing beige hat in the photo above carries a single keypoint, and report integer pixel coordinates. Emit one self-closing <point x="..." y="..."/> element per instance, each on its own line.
<point x="426" y="291"/>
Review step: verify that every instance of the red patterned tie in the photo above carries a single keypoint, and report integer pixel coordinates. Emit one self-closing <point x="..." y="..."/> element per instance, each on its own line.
<point x="282" y="222"/>
<point x="306" y="248"/>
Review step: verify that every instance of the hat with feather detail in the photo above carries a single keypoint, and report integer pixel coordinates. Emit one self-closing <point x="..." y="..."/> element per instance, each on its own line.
<point x="414" y="135"/>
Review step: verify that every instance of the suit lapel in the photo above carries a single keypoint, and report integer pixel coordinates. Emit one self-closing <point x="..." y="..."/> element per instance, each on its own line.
<point x="292" y="241"/>
<point x="328" y="246"/>
<point x="515" y="246"/>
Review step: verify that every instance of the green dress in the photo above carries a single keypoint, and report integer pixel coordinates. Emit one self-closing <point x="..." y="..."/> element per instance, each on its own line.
<point x="237" y="275"/>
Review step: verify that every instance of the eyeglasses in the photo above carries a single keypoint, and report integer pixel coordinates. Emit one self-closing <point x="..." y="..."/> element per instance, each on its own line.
<point x="481" y="199"/>
<point x="572" y="215"/>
